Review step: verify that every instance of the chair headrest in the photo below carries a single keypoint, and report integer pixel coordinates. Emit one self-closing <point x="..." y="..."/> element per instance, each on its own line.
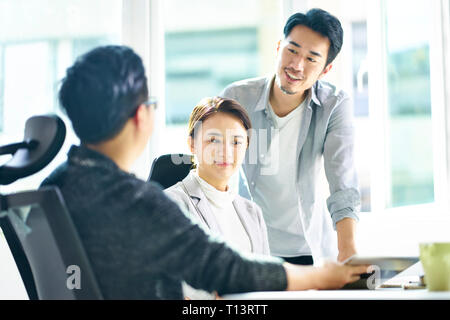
<point x="168" y="169"/>
<point x="43" y="138"/>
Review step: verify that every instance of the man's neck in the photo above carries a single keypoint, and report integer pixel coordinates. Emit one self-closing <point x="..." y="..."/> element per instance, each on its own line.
<point x="282" y="103"/>
<point x="115" y="152"/>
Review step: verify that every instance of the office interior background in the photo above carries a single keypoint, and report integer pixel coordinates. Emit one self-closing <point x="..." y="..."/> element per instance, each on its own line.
<point x="395" y="64"/>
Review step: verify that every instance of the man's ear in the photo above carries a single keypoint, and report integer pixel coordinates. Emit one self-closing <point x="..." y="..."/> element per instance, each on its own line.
<point x="326" y="70"/>
<point x="141" y="115"/>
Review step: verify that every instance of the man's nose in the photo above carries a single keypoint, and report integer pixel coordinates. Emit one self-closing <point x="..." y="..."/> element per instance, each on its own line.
<point x="298" y="64"/>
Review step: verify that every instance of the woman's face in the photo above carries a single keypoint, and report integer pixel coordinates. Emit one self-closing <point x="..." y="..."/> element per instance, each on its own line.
<point x="220" y="144"/>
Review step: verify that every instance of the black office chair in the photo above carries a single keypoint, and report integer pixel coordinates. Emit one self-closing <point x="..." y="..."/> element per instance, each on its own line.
<point x="168" y="169"/>
<point x="37" y="227"/>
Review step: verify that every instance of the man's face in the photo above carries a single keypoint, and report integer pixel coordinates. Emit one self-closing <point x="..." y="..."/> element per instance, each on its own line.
<point x="301" y="60"/>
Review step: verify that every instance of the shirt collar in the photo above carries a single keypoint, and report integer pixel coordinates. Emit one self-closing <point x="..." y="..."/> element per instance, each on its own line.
<point x="263" y="101"/>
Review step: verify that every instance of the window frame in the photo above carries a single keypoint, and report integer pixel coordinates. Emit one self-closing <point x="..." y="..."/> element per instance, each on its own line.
<point x="378" y="110"/>
<point x="143" y="30"/>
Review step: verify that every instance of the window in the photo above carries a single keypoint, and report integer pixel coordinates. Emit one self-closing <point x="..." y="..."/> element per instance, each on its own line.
<point x="360" y="95"/>
<point x="410" y="138"/>
<point x="202" y="63"/>
<point x="35" y="51"/>
<point x="397" y="146"/>
<point x="208" y="45"/>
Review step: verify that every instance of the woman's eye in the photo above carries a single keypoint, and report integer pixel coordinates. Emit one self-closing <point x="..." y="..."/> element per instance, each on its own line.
<point x="311" y="59"/>
<point x="292" y="51"/>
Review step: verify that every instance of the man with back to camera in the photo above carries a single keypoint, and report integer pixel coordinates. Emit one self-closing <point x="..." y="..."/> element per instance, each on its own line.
<point x="140" y="244"/>
<point x="309" y="120"/>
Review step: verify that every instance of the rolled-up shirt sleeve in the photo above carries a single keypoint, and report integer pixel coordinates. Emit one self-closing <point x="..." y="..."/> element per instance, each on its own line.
<point x="345" y="199"/>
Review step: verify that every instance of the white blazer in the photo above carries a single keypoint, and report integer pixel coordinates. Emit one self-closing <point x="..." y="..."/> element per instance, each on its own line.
<point x="187" y="193"/>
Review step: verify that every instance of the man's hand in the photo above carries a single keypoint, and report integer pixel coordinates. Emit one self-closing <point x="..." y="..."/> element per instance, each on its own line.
<point x="335" y="275"/>
<point x="331" y="275"/>
<point x="345" y="229"/>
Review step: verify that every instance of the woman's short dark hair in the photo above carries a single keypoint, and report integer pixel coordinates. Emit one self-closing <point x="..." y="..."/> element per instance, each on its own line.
<point x="321" y="22"/>
<point x="102" y="90"/>
<point x="207" y="107"/>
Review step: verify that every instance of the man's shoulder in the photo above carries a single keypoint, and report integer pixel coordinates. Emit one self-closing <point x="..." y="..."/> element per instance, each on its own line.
<point x="246" y="86"/>
<point x="56" y="176"/>
<point x="246" y="83"/>
<point x="328" y="94"/>
<point x="75" y="182"/>
<point x="151" y="194"/>
<point x="247" y="92"/>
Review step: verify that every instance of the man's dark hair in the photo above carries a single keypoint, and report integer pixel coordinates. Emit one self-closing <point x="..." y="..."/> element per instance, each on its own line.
<point x="321" y="22"/>
<point x="102" y="90"/>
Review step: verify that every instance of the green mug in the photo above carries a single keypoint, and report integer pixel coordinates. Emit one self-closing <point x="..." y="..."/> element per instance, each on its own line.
<point x="435" y="259"/>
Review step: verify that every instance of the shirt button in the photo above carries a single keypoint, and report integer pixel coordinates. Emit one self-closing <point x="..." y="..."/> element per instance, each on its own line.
<point x="253" y="183"/>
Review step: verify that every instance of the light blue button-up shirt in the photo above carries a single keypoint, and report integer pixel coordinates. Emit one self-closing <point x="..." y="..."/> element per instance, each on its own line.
<point x="327" y="134"/>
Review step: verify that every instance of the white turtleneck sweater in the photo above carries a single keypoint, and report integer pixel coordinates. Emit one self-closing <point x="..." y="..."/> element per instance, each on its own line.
<point x="230" y="224"/>
<point x="231" y="227"/>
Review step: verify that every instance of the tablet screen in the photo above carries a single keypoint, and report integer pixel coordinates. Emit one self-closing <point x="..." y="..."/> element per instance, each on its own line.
<point x="387" y="268"/>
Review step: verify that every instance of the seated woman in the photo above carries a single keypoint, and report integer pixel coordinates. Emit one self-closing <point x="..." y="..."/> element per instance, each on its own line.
<point x="218" y="138"/>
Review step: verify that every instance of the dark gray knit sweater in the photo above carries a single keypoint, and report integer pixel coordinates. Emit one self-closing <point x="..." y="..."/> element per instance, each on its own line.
<point x="141" y="245"/>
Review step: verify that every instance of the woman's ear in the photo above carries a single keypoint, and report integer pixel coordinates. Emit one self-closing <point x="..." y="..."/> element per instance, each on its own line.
<point x="191" y="144"/>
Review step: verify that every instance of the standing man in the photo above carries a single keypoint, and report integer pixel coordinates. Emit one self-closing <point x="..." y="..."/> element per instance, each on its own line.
<point x="306" y="120"/>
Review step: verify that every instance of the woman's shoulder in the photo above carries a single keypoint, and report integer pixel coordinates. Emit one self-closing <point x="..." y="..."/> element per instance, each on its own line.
<point x="175" y="187"/>
<point x="176" y="191"/>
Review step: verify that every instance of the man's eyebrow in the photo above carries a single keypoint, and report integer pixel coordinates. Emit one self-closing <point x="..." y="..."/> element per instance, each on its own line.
<point x="295" y="44"/>
<point x="315" y="53"/>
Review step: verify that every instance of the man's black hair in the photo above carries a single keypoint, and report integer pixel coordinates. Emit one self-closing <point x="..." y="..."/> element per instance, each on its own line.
<point x="102" y="90"/>
<point x="321" y="22"/>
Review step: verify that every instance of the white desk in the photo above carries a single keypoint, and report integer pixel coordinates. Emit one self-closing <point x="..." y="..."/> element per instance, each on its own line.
<point x="378" y="294"/>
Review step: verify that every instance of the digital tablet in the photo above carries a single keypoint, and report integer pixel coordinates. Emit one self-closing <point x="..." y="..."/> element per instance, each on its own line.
<point x="384" y="263"/>
<point x="387" y="267"/>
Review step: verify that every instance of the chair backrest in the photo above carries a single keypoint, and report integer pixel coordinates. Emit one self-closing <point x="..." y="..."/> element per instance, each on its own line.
<point x="45" y="242"/>
<point x="168" y="169"/>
